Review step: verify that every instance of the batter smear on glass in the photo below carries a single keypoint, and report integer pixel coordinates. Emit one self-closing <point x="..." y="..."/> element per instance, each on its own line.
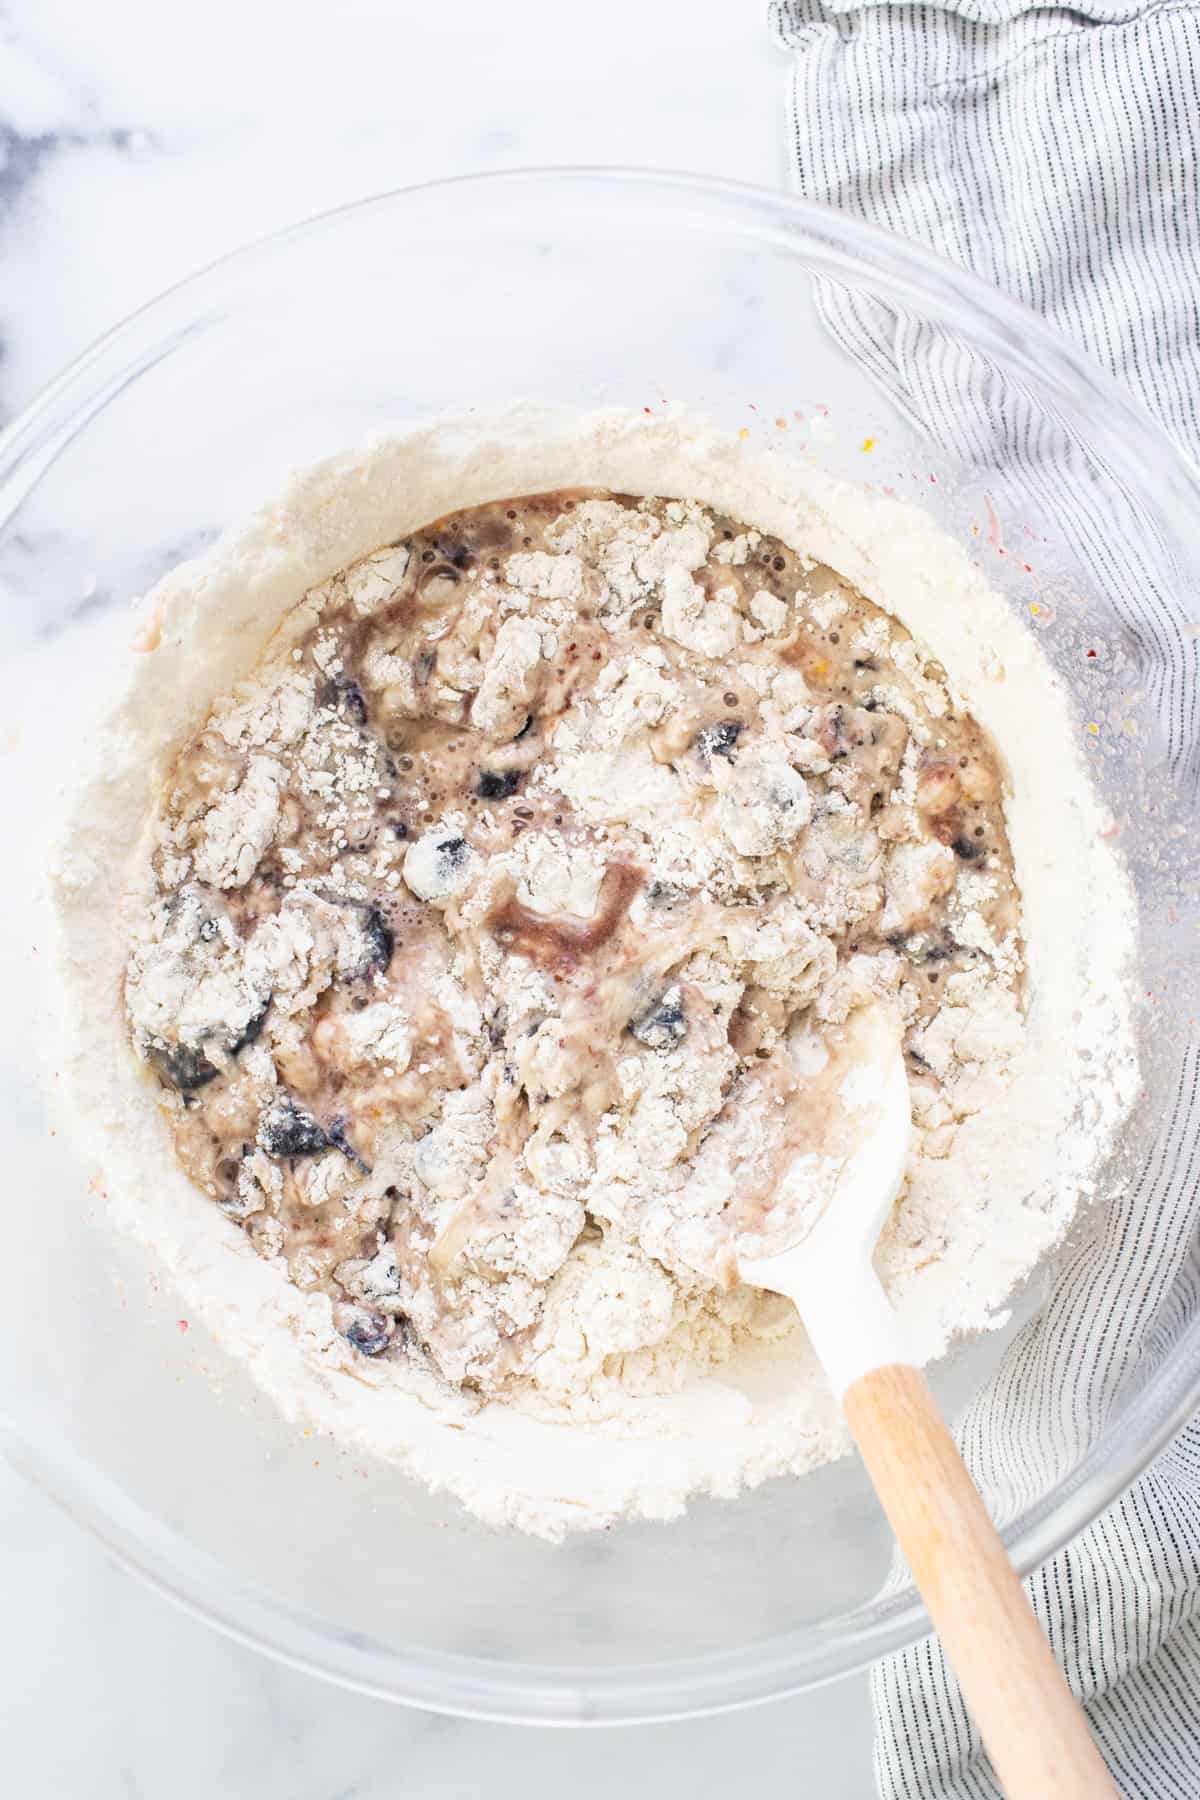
<point x="504" y="922"/>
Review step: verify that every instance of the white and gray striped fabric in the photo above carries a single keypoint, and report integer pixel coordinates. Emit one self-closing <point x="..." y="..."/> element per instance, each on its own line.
<point x="1056" y="152"/>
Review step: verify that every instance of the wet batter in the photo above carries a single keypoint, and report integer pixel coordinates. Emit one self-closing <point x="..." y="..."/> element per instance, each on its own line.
<point x="504" y="923"/>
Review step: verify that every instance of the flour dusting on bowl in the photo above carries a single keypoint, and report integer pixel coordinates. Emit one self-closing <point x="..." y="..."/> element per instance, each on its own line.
<point x="495" y="871"/>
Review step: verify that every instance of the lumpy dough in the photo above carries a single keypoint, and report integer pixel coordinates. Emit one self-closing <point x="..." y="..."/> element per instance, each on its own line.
<point x="502" y="923"/>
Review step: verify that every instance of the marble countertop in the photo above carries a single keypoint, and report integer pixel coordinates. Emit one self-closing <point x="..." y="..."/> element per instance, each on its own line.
<point x="137" y="142"/>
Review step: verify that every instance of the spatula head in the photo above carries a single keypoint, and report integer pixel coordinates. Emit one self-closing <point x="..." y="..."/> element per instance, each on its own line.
<point x="866" y="1131"/>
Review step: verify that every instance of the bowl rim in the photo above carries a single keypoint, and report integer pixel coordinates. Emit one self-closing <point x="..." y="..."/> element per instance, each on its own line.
<point x="791" y="1662"/>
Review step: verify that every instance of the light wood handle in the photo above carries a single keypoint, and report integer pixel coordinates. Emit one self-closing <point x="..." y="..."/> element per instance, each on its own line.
<point x="1033" y="1727"/>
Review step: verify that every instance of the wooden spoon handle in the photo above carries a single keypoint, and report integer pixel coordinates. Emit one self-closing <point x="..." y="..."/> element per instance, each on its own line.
<point x="1034" y="1730"/>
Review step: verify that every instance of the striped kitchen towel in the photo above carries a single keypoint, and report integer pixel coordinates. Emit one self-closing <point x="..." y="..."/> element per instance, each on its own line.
<point x="1056" y="152"/>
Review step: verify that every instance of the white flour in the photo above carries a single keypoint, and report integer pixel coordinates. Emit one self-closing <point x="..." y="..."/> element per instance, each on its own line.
<point x="729" y="1393"/>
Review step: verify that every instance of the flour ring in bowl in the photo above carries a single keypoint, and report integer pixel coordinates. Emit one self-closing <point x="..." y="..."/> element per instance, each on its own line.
<point x="682" y="1385"/>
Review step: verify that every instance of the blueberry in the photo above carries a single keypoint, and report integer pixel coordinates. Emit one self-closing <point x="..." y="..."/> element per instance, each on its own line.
<point x="347" y="698"/>
<point x="184" y="1068"/>
<point x="719" y="739"/>
<point x="665" y="1025"/>
<point x="452" y="851"/>
<point x="966" y="849"/>
<point x="286" y="1129"/>
<point x="352" y="701"/>
<point x="368" y="1333"/>
<point x="497" y="784"/>
<point x="379" y="941"/>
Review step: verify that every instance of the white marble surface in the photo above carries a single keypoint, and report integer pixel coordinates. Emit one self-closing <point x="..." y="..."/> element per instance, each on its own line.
<point x="138" y="141"/>
<point x="107" y="1692"/>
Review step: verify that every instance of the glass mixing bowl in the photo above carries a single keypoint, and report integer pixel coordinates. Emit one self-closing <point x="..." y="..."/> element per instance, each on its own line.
<point x="576" y="289"/>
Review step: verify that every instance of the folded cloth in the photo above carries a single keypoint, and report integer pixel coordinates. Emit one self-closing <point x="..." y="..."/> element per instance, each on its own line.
<point x="1055" y="152"/>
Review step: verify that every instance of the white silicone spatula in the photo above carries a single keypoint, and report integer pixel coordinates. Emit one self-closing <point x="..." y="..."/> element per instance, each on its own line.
<point x="1034" y="1731"/>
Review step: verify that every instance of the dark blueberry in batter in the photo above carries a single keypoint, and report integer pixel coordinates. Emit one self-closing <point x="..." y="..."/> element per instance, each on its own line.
<point x="664" y="1025"/>
<point x="368" y="1333"/>
<point x="352" y="702"/>
<point x="180" y="1066"/>
<point x="346" y="698"/>
<point x="378" y="939"/>
<point x="719" y="739"/>
<point x="964" y="848"/>
<point x="498" y="784"/>
<point x="286" y="1129"/>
